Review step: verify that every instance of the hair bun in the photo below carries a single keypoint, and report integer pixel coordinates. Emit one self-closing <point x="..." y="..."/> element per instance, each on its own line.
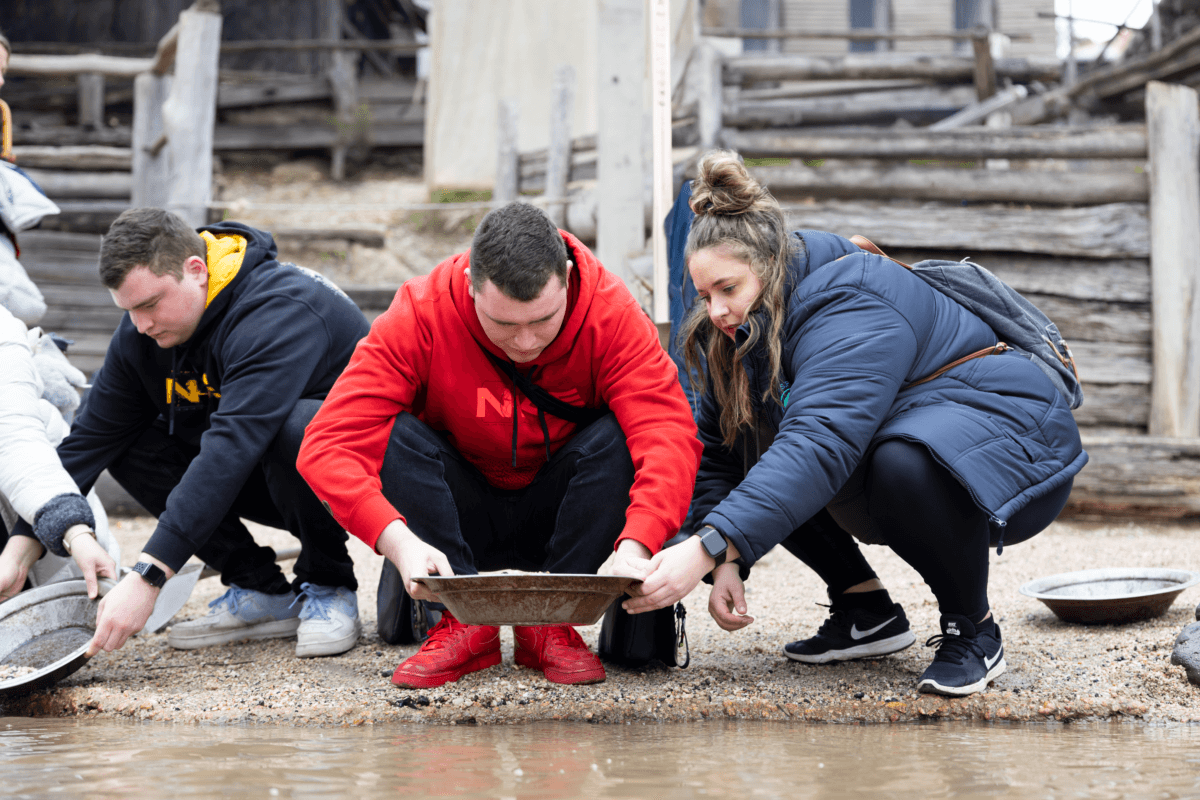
<point x="723" y="185"/>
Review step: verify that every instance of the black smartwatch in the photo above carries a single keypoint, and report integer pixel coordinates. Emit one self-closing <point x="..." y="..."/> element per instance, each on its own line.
<point x="713" y="542"/>
<point x="150" y="573"/>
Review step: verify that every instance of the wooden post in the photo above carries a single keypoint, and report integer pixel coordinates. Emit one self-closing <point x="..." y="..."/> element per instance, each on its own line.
<point x="339" y="69"/>
<point x="558" y="157"/>
<point x="621" y="68"/>
<point x="507" y="155"/>
<point x="190" y="113"/>
<point x="91" y="100"/>
<point x="1173" y="132"/>
<point x="985" y="67"/>
<point x="660" y="160"/>
<point x="711" y="94"/>
<point x="151" y="165"/>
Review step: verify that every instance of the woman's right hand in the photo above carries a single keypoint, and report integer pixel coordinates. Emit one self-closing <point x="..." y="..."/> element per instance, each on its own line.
<point x="93" y="561"/>
<point x="727" y="602"/>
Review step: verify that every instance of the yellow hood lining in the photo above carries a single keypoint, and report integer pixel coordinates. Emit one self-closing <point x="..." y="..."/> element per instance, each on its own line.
<point x="225" y="254"/>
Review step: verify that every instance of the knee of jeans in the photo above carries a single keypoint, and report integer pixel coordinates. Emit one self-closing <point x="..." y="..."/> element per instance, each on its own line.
<point x="410" y="433"/>
<point x="291" y="433"/>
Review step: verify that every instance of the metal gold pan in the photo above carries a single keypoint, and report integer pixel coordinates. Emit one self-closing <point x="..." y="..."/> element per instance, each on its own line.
<point x="528" y="599"/>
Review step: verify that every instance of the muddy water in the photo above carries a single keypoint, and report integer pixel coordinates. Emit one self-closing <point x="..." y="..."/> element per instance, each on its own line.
<point x="61" y="758"/>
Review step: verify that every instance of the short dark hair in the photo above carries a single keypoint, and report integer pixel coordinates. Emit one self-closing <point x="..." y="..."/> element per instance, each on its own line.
<point x="517" y="248"/>
<point x="151" y="238"/>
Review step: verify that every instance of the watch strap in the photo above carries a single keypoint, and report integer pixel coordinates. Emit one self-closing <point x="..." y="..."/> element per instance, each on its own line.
<point x="714" y="544"/>
<point x="150" y="573"/>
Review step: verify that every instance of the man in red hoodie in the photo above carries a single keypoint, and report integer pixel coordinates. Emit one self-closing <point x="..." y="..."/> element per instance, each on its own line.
<point x="429" y="449"/>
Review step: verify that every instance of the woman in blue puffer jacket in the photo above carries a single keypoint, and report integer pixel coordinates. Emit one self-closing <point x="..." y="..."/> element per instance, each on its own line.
<point x="821" y="426"/>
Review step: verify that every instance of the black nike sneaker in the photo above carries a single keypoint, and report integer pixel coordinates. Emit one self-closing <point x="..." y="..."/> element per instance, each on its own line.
<point x="969" y="657"/>
<point x="852" y="633"/>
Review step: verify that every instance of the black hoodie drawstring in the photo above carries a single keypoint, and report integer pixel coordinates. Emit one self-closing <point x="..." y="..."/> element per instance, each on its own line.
<point x="174" y="392"/>
<point x="541" y="421"/>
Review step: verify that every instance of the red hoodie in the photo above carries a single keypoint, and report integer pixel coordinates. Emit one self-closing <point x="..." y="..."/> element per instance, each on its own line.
<point x="425" y="355"/>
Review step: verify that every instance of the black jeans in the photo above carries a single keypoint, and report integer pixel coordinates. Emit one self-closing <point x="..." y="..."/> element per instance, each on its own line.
<point x="566" y="521"/>
<point x="929" y="519"/>
<point x="275" y="494"/>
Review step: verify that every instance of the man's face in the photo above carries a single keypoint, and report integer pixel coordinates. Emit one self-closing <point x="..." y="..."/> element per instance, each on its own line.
<point x="522" y="330"/>
<point x="165" y="308"/>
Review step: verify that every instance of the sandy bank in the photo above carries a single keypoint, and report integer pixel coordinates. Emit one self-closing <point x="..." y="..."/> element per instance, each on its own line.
<point x="1056" y="671"/>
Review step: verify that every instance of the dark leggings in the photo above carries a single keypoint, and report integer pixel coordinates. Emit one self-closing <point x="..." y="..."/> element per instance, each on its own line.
<point x="929" y="519"/>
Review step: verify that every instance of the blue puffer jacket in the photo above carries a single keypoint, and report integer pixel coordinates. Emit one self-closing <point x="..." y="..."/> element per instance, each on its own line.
<point x="858" y="330"/>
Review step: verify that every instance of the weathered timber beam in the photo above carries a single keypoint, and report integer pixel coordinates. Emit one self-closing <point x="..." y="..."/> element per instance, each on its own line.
<point x="1093" y="320"/>
<point x="925" y="103"/>
<point x="749" y="69"/>
<point x="77" y="157"/>
<point x="1114" y="230"/>
<point x="856" y="35"/>
<point x="72" y="135"/>
<point x="112" y="185"/>
<point x="368" y="237"/>
<point x="976" y="185"/>
<point x="70" y="66"/>
<point x="1116" y="141"/>
<point x="826" y="88"/>
<point x="1151" y="474"/>
<point x="1112" y="362"/>
<point x="1125" y="404"/>
<point x="311" y="136"/>
<point x="1119" y="281"/>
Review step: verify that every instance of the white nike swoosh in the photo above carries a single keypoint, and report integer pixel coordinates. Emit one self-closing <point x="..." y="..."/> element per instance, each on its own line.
<point x="855" y="633"/>
<point x="988" y="663"/>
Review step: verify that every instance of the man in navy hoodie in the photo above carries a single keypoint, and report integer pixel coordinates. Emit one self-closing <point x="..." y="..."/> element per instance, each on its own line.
<point x="199" y="411"/>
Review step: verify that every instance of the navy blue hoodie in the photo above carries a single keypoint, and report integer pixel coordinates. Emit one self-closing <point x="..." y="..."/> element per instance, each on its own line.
<point x="272" y="334"/>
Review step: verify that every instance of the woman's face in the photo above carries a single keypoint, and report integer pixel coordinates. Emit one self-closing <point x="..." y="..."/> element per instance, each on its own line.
<point x="726" y="285"/>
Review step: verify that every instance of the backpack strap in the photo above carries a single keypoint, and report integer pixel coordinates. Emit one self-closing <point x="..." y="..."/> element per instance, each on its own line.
<point x="1000" y="347"/>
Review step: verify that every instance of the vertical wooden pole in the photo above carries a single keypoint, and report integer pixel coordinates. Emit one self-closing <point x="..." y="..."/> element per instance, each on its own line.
<point x="339" y="70"/>
<point x="620" y="173"/>
<point x="190" y="114"/>
<point x="1173" y="140"/>
<point x="660" y="110"/>
<point x="507" y="155"/>
<point x="711" y="98"/>
<point x="558" y="159"/>
<point x="91" y="100"/>
<point x="985" y="67"/>
<point x="151" y="163"/>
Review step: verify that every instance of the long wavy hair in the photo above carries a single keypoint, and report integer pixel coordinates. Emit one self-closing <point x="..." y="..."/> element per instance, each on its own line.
<point x="739" y="217"/>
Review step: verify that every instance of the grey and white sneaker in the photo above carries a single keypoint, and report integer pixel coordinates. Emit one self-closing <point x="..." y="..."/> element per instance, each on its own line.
<point x="328" y="621"/>
<point x="852" y="633"/>
<point x="236" y="616"/>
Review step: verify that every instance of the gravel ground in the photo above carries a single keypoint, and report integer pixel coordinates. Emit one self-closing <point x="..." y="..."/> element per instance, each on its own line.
<point x="1056" y="671"/>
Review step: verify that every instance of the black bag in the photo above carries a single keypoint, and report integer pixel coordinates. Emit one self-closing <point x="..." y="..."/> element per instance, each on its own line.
<point x="633" y="640"/>
<point x="400" y="619"/>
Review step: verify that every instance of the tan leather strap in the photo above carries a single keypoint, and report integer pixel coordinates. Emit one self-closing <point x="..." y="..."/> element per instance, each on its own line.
<point x="6" y="145"/>
<point x="863" y="243"/>
<point x="999" y="347"/>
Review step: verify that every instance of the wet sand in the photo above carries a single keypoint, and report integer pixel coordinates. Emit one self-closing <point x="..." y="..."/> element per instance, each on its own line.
<point x="1056" y="671"/>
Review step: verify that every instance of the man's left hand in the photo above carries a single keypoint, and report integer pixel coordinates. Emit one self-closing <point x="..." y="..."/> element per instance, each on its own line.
<point x="632" y="560"/>
<point x="19" y="555"/>
<point x="122" y="613"/>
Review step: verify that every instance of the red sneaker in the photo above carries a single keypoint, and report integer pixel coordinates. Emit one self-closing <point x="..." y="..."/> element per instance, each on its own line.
<point x="451" y="651"/>
<point x="559" y="652"/>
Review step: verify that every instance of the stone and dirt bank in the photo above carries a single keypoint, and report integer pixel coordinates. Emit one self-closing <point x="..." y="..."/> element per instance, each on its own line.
<point x="1056" y="671"/>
